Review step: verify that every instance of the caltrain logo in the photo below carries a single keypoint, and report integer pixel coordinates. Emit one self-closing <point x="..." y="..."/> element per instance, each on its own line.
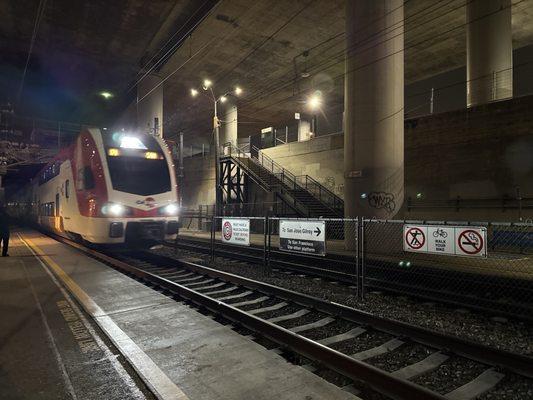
<point x="148" y="202"/>
<point x="227" y="230"/>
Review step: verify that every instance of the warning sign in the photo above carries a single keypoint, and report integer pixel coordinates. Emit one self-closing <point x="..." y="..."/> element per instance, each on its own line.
<point x="415" y="238"/>
<point x="445" y="239"/>
<point x="301" y="236"/>
<point x="471" y="241"/>
<point x="236" y="231"/>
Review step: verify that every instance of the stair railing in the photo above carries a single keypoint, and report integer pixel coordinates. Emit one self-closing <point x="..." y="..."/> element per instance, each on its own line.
<point x="287" y="178"/>
<point x="322" y="193"/>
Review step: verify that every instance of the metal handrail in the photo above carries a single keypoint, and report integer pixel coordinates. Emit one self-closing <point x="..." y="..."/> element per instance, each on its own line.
<point x="288" y="179"/>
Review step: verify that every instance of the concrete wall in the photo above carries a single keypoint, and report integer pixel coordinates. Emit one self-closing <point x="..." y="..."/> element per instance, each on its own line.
<point x="321" y="158"/>
<point x="198" y="182"/>
<point x="481" y="153"/>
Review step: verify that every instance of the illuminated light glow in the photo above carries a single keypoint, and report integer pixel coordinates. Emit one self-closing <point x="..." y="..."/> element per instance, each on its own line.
<point x="113" y="209"/>
<point x="131" y="142"/>
<point x="238" y="91"/>
<point x="363" y="195"/>
<point x="314" y="102"/>
<point x="194" y="92"/>
<point x="207" y="84"/>
<point x="152" y="155"/>
<point x="113" y="152"/>
<point x="223" y="99"/>
<point x="106" y="95"/>
<point x="171" y="209"/>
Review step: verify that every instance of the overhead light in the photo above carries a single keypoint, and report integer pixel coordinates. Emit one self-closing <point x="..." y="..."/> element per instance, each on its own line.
<point x="223" y="99"/>
<point x="207" y="84"/>
<point x="194" y="92"/>
<point x="314" y="102"/>
<point x="106" y="95"/>
<point x="131" y="142"/>
<point x="238" y="90"/>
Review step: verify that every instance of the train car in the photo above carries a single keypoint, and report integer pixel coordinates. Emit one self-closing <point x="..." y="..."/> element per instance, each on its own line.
<point x="109" y="188"/>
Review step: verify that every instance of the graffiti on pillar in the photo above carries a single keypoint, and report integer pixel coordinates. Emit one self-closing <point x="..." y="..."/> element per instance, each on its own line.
<point x="382" y="200"/>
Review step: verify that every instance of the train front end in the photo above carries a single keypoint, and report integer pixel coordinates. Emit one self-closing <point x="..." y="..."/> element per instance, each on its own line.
<point x="138" y="203"/>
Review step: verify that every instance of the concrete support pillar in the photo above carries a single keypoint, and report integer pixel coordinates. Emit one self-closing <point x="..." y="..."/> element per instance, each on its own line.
<point x="489" y="44"/>
<point x="229" y="126"/>
<point x="150" y="105"/>
<point x="374" y="108"/>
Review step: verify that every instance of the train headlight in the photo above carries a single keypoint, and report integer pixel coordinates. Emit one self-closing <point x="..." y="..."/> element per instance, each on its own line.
<point x="113" y="209"/>
<point x="171" y="209"/>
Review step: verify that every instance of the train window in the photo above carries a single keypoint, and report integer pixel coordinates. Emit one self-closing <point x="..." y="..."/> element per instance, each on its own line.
<point x="67" y="188"/>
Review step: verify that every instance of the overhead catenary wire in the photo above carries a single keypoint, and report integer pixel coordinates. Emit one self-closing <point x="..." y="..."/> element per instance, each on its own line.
<point x="276" y="87"/>
<point x="173" y="47"/>
<point x="37" y="23"/>
<point x="382" y="58"/>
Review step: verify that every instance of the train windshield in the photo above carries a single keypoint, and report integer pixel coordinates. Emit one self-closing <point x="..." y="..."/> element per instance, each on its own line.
<point x="139" y="175"/>
<point x="137" y="165"/>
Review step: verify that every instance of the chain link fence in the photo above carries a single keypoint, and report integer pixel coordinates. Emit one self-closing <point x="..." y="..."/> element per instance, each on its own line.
<point x="500" y="281"/>
<point x="373" y="255"/>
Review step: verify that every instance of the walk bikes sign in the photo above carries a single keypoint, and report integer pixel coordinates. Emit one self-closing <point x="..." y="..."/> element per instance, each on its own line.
<point x="443" y="239"/>
<point x="236" y="231"/>
<point x="302" y="236"/>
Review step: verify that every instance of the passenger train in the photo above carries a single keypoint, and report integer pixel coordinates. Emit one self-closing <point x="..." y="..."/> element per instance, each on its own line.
<point x="109" y="188"/>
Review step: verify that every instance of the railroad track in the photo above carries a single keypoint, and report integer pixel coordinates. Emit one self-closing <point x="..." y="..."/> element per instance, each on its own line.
<point x="458" y="289"/>
<point x="355" y="344"/>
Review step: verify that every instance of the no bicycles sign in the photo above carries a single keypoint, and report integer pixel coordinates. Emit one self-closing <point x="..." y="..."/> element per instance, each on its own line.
<point x="445" y="239"/>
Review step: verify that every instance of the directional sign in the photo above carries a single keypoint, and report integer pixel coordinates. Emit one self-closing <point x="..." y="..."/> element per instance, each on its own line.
<point x="236" y="231"/>
<point x="303" y="236"/>
<point x="445" y="239"/>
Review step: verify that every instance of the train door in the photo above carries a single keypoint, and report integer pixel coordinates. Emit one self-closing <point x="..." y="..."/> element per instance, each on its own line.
<point x="58" y="223"/>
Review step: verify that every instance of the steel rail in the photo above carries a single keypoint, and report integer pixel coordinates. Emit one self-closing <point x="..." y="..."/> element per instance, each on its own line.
<point x="517" y="363"/>
<point x="443" y="296"/>
<point x="379" y="380"/>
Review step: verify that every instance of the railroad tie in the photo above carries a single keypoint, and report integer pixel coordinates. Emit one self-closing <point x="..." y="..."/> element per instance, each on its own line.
<point x="312" y="325"/>
<point x="235" y="296"/>
<point x="342" y="337"/>
<point x="216" y="285"/>
<point x="428" y="364"/>
<point x="296" y="314"/>
<point x="204" y="282"/>
<point x="183" y="275"/>
<point x="475" y="388"/>
<point x="379" y="350"/>
<point x="269" y="308"/>
<point x="248" y="302"/>
<point x="230" y="289"/>
<point x="172" y="275"/>
<point x="194" y="278"/>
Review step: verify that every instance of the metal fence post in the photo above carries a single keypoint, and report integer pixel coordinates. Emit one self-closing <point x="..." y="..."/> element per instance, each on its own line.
<point x="269" y="246"/>
<point x="265" y="241"/>
<point x="362" y="292"/>
<point x="358" y="257"/>
<point x="213" y="230"/>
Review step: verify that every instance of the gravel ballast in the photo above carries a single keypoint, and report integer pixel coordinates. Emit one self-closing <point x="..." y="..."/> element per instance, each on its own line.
<point x="514" y="336"/>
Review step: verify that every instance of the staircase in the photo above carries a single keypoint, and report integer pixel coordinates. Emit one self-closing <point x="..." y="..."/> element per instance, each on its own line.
<point x="303" y="194"/>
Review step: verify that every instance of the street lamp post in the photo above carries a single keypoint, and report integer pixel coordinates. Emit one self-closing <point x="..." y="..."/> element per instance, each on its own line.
<point x="207" y="85"/>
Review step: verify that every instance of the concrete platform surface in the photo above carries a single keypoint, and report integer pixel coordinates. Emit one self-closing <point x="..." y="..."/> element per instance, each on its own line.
<point x="49" y="348"/>
<point x="178" y="352"/>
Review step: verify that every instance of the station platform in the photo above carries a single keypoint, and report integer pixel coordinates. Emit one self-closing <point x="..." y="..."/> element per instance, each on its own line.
<point x="73" y="328"/>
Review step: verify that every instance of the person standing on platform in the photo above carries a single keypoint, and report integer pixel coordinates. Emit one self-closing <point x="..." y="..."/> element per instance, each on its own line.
<point x="4" y="230"/>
